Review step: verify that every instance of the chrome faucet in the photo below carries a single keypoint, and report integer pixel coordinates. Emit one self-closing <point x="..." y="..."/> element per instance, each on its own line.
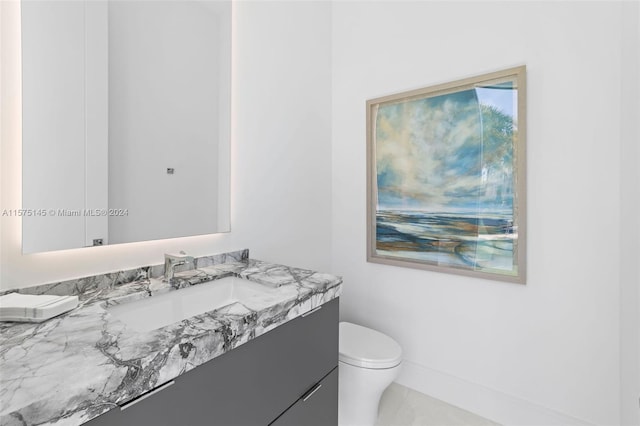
<point x="173" y="260"/>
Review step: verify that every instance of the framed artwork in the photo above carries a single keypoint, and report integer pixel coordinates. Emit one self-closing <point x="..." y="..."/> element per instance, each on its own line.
<point x="446" y="177"/>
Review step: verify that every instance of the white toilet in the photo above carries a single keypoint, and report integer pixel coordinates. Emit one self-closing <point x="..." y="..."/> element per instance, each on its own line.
<point x="369" y="361"/>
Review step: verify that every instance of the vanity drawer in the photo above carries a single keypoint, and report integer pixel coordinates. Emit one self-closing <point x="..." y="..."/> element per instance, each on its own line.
<point x="317" y="407"/>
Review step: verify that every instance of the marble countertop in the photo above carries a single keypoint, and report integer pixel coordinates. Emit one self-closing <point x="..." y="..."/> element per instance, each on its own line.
<point x="72" y="368"/>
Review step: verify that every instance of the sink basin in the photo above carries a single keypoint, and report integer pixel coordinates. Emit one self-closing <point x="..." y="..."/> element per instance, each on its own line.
<point x="164" y="309"/>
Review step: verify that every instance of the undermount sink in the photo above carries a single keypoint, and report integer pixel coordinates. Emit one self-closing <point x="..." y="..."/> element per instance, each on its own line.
<point x="158" y="311"/>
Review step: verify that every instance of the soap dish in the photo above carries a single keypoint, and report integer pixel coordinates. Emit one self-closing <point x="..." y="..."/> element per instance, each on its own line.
<point x="34" y="308"/>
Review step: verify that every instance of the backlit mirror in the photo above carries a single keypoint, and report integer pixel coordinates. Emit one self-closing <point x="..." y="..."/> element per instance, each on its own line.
<point x="126" y="121"/>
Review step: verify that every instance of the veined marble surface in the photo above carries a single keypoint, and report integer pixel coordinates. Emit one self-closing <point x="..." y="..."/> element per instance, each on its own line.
<point x="86" y="287"/>
<point x="74" y="367"/>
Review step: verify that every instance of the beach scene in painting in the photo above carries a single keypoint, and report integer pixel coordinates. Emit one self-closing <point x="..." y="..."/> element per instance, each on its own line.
<point x="445" y="179"/>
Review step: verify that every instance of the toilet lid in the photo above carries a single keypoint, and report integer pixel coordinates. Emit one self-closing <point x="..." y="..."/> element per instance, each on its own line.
<point x="363" y="347"/>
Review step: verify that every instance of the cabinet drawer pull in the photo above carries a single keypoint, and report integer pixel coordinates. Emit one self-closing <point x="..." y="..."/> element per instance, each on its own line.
<point x="311" y="392"/>
<point x="316" y="309"/>
<point x="146" y="395"/>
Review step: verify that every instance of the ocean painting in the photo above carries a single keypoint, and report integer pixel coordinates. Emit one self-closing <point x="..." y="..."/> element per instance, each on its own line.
<point x="445" y="178"/>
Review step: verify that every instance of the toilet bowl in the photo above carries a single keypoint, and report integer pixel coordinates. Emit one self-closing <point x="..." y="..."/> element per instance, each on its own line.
<point x="369" y="361"/>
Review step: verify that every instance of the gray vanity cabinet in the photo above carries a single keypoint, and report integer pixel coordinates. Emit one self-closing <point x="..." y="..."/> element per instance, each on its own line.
<point x="287" y="376"/>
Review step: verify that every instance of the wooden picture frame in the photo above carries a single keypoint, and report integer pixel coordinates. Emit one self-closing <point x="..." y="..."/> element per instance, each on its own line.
<point x="446" y="186"/>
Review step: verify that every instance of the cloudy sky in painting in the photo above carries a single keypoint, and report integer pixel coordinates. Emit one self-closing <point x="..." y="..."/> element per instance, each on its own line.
<point x="444" y="153"/>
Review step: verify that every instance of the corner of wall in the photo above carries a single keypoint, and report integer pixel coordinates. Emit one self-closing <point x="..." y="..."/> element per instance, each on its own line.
<point x="629" y="227"/>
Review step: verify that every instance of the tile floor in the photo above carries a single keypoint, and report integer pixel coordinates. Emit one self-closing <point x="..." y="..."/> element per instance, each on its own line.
<point x="401" y="406"/>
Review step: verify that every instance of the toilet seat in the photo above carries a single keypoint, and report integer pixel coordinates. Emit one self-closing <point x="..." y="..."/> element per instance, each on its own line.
<point x="366" y="348"/>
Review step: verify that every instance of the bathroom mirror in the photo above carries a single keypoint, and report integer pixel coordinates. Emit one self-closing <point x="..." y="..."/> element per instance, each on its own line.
<point x="126" y="121"/>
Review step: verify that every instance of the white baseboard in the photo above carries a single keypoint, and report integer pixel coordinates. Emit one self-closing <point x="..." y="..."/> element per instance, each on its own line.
<point x="489" y="403"/>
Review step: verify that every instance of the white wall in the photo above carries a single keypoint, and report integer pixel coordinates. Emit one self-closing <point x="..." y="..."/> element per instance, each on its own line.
<point x="547" y="352"/>
<point x="281" y="154"/>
